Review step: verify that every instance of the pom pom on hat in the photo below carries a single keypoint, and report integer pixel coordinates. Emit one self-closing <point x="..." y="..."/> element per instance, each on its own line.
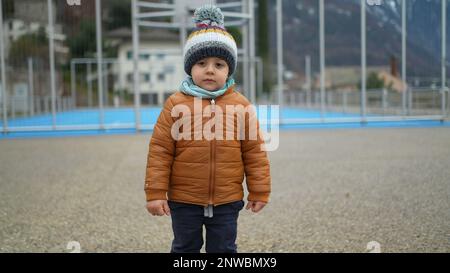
<point x="209" y="16"/>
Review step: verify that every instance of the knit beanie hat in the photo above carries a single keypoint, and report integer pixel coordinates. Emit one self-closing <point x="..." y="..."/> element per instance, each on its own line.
<point x="209" y="39"/>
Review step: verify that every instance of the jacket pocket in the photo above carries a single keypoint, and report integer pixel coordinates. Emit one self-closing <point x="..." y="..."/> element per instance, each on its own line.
<point x="176" y="205"/>
<point x="238" y="205"/>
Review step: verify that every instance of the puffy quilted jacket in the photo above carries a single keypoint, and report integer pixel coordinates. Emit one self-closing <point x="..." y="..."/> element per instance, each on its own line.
<point x="202" y="171"/>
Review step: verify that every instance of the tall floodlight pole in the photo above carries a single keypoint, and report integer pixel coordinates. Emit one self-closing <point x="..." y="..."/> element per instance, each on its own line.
<point x="245" y="52"/>
<point x="405" y="87"/>
<point x="3" y="74"/>
<point x="322" y="57"/>
<point x="183" y="26"/>
<point x="280" y="52"/>
<point x="444" y="55"/>
<point x="251" y="10"/>
<point x="363" y="60"/>
<point x="52" y="60"/>
<point x="98" y="20"/>
<point x="136" y="80"/>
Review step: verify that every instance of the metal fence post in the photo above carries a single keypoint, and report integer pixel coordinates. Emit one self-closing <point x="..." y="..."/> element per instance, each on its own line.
<point x="363" y="61"/>
<point x="259" y="64"/>
<point x="106" y="94"/>
<point x="308" y="80"/>
<point x="405" y="89"/>
<point x="444" y="55"/>
<point x="136" y="80"/>
<point x="245" y="53"/>
<point x="72" y="82"/>
<point x="280" y="51"/>
<point x="344" y="99"/>
<point x="252" y="50"/>
<point x="46" y="106"/>
<point x="13" y="107"/>
<point x="31" y="85"/>
<point x="410" y="100"/>
<point x="98" y="20"/>
<point x="3" y="74"/>
<point x="89" y="83"/>
<point x="384" y="100"/>
<point x="322" y="57"/>
<point x="52" y="60"/>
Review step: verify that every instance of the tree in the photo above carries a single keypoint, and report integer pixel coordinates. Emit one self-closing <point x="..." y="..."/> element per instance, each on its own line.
<point x="236" y="33"/>
<point x="119" y="14"/>
<point x="33" y="45"/>
<point x="8" y="9"/>
<point x="83" y="44"/>
<point x="374" y="82"/>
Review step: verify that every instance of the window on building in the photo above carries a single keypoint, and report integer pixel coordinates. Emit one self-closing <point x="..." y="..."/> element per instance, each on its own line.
<point x="169" y="69"/>
<point x="142" y="56"/>
<point x="145" y="77"/>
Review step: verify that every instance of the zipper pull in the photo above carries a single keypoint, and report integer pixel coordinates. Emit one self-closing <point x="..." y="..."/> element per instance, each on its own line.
<point x="208" y="211"/>
<point x="213" y="103"/>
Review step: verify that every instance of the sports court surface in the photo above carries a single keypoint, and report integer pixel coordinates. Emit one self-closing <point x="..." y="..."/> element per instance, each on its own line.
<point x="334" y="190"/>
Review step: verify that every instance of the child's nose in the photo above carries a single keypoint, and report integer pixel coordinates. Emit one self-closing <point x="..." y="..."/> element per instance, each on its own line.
<point x="210" y="68"/>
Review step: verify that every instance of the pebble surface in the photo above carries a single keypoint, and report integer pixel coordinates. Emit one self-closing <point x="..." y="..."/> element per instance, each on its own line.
<point x="332" y="191"/>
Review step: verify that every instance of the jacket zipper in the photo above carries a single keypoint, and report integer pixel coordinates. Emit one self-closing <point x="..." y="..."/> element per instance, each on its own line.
<point x="213" y="156"/>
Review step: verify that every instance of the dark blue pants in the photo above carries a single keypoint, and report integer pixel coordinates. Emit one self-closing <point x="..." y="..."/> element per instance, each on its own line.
<point x="221" y="229"/>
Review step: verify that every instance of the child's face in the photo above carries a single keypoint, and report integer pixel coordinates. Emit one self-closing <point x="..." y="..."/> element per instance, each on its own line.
<point x="210" y="73"/>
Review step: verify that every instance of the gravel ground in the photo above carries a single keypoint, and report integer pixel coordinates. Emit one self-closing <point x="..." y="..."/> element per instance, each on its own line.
<point x="333" y="191"/>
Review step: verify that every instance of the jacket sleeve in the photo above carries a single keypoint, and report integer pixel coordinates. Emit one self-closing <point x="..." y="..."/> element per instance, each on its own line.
<point x="160" y="156"/>
<point x="256" y="162"/>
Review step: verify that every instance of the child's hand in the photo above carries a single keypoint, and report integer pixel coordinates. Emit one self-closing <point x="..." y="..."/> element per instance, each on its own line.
<point x="158" y="207"/>
<point x="256" y="206"/>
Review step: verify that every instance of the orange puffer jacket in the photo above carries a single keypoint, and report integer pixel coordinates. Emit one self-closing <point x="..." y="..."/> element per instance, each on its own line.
<point x="205" y="170"/>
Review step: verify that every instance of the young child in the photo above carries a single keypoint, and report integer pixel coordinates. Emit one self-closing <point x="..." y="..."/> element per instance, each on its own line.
<point x="198" y="181"/>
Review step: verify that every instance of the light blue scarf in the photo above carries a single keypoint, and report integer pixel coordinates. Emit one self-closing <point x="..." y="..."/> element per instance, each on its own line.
<point x="188" y="87"/>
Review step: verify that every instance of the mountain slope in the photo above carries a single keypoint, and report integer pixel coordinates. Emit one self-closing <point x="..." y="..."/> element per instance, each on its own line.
<point x="343" y="32"/>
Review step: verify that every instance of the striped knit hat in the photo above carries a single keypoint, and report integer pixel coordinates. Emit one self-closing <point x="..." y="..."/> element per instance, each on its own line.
<point x="209" y="39"/>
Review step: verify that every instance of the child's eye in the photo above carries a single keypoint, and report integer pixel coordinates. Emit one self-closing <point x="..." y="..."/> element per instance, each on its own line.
<point x="219" y="64"/>
<point x="201" y="63"/>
